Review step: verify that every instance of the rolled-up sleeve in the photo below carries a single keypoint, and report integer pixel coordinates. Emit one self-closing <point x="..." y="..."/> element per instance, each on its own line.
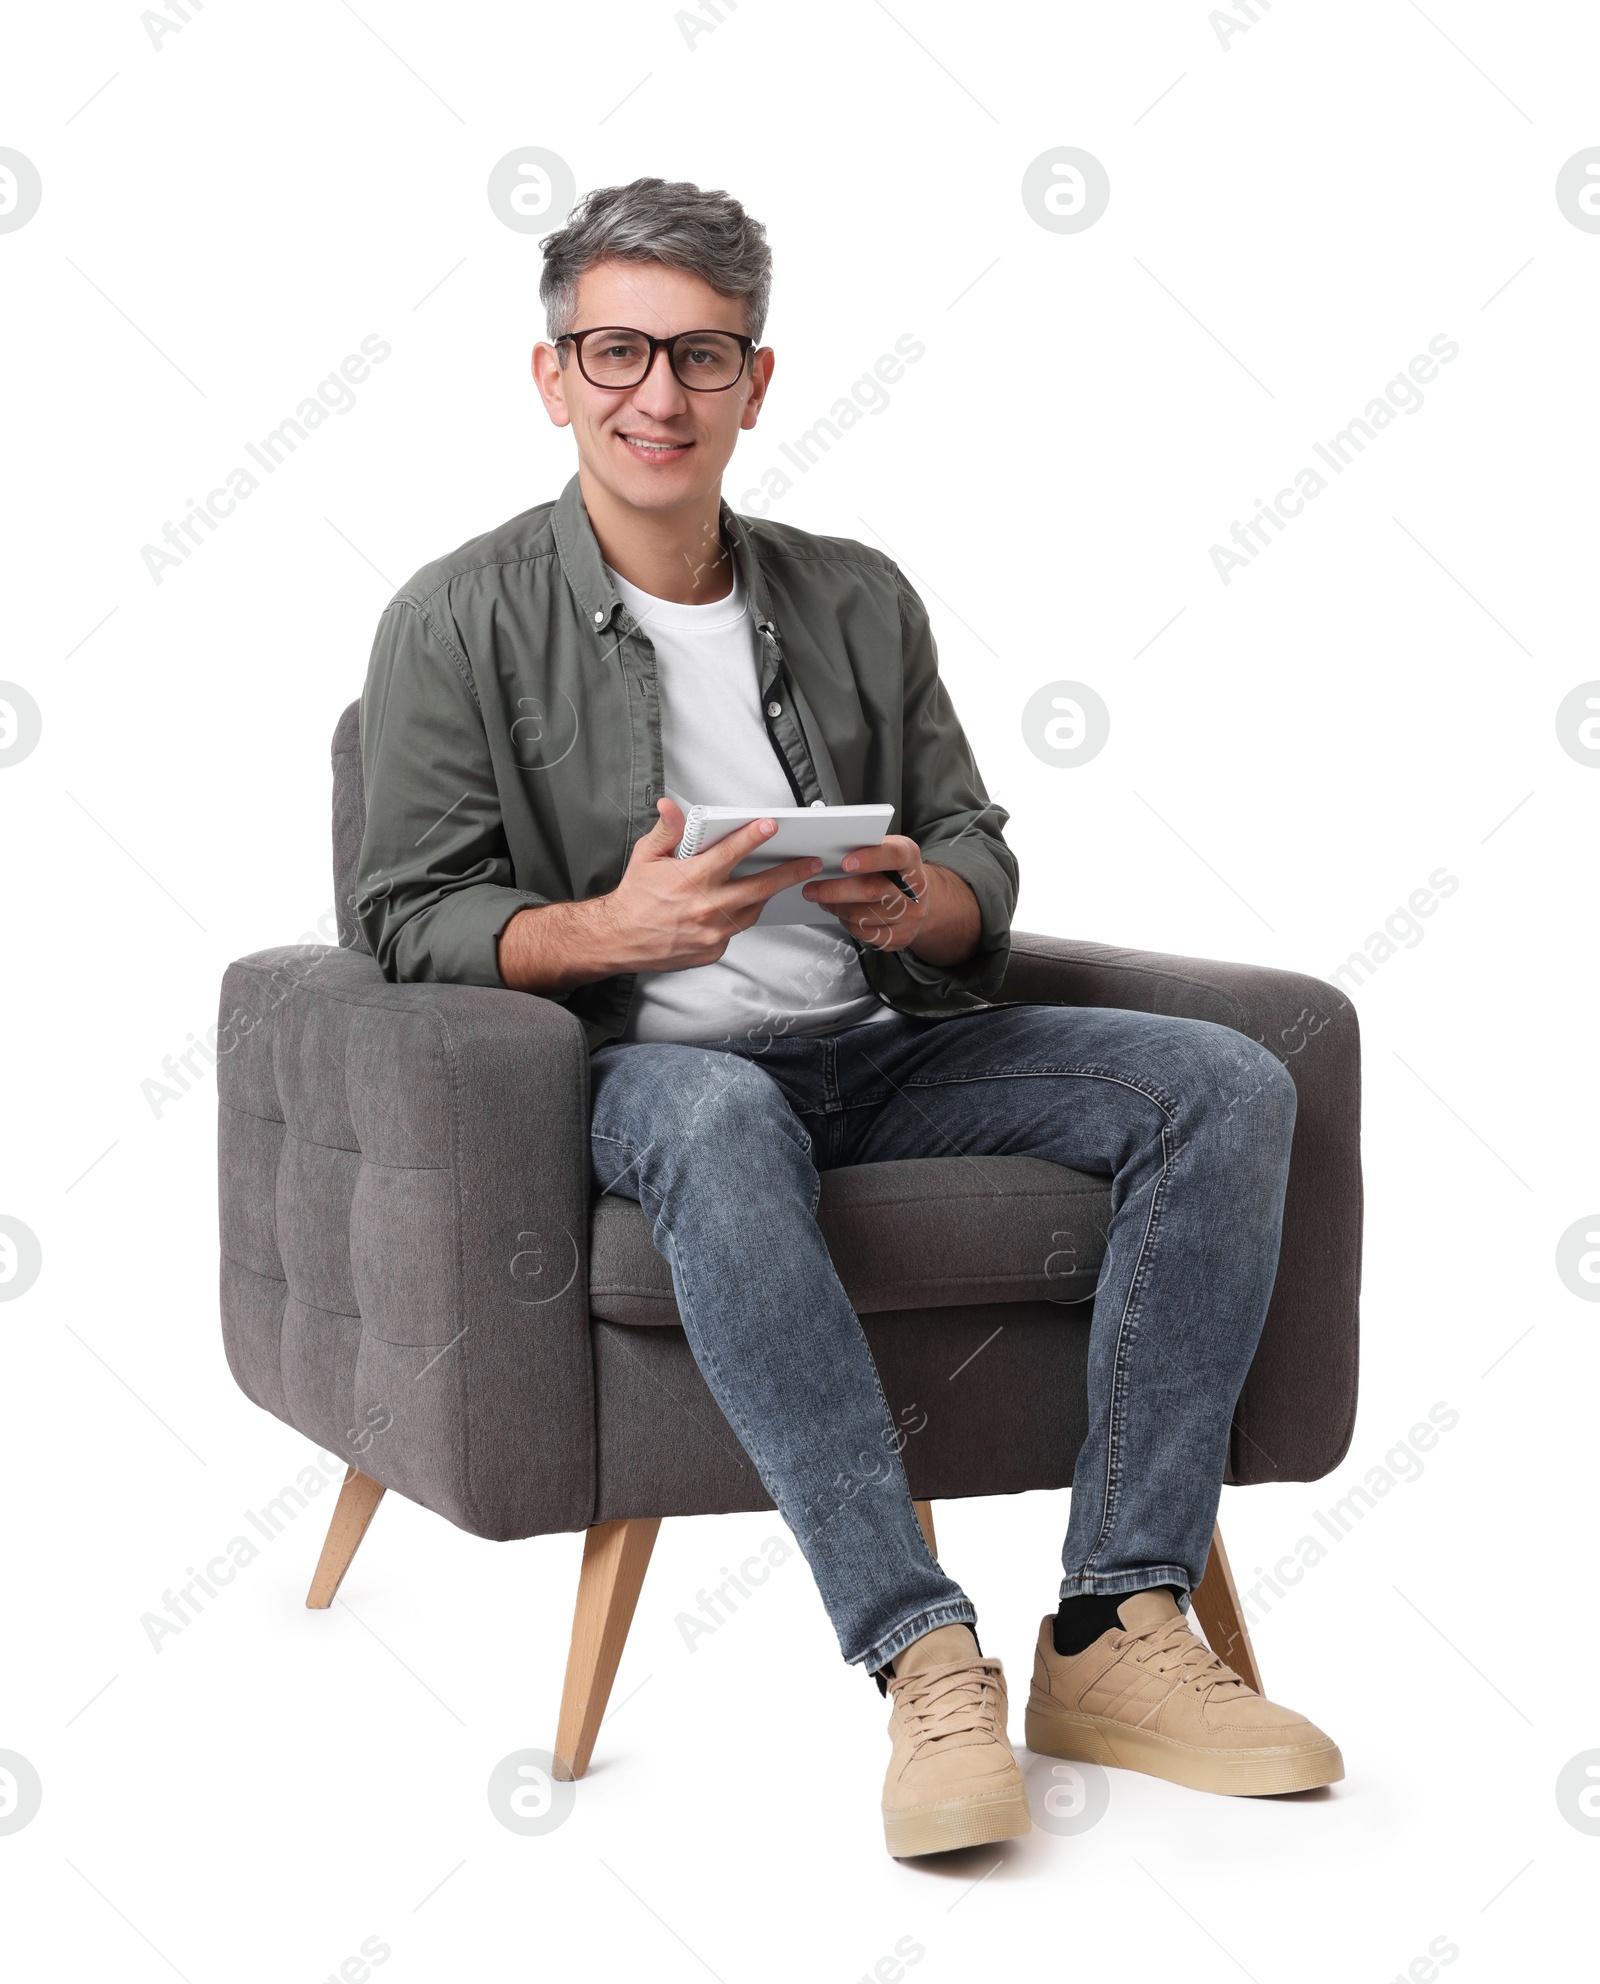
<point x="947" y="811"/>
<point x="435" y="874"/>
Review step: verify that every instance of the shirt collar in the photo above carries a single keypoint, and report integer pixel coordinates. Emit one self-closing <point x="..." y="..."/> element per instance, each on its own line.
<point x="585" y="570"/>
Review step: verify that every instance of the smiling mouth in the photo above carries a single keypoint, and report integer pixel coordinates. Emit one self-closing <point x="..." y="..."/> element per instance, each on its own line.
<point x="655" y="448"/>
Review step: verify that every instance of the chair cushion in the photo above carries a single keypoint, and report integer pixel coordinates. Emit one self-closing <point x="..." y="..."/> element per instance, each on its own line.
<point x="926" y="1232"/>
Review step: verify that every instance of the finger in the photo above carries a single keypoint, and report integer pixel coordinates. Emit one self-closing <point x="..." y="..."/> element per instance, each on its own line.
<point x="770" y="882"/>
<point x="893" y="851"/>
<point x="727" y="853"/>
<point x="664" y="836"/>
<point x="885" y="924"/>
<point x="868" y="889"/>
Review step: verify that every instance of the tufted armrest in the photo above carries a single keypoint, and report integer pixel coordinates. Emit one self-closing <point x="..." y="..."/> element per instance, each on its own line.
<point x="404" y="1196"/>
<point x="1297" y="1410"/>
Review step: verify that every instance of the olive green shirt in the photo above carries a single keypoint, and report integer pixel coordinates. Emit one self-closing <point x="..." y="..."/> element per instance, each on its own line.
<point x="511" y="745"/>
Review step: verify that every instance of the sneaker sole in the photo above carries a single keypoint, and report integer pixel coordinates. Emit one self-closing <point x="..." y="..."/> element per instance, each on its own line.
<point x="1095" y="1739"/>
<point x="958" y="1822"/>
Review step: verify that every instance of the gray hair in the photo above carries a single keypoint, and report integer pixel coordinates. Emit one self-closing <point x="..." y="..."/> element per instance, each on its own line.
<point x="656" y="220"/>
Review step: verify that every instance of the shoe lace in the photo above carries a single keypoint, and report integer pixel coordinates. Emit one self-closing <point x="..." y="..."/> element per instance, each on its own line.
<point x="954" y="1700"/>
<point x="1174" y="1650"/>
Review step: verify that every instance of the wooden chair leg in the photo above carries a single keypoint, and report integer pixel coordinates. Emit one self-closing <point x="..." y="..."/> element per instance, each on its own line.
<point x="357" y="1504"/>
<point x="925" y="1517"/>
<point x="1216" y="1606"/>
<point x="616" y="1556"/>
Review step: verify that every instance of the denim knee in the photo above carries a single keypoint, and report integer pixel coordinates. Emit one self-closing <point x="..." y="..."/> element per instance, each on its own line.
<point x="1239" y="1088"/>
<point x="1277" y="1093"/>
<point x="735" y="1106"/>
<point x="700" y="1109"/>
<point x="1257" y="1124"/>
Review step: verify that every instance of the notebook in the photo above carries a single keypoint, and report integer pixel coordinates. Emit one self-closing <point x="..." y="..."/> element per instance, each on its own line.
<point x="829" y="831"/>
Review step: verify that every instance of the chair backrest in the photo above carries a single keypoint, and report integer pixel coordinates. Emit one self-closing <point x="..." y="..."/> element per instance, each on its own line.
<point x="349" y="822"/>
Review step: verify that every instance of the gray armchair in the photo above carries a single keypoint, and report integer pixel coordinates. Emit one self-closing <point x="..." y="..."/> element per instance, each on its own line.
<point x="418" y="1273"/>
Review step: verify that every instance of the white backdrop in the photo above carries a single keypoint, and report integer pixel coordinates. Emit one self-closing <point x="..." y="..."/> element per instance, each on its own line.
<point x="1300" y="203"/>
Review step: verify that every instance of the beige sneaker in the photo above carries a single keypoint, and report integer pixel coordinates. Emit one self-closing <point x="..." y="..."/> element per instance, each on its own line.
<point x="1155" y="1698"/>
<point x="952" y="1778"/>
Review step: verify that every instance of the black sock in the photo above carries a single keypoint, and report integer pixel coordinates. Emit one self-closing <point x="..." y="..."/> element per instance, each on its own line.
<point x="1081" y="1619"/>
<point x="884" y="1675"/>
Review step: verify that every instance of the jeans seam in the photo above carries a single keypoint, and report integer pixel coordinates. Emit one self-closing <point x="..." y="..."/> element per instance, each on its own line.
<point x="1117" y="1584"/>
<point x="753" y="1449"/>
<point x="1148" y="1090"/>
<point x="712" y="1369"/>
<point x="956" y="1612"/>
<point x="894" y="1455"/>
<point x="634" y="1157"/>
<point x="621" y="1143"/>
<point x="1127" y="1331"/>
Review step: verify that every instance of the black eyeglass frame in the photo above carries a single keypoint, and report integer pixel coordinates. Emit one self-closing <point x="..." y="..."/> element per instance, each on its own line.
<point x="745" y="343"/>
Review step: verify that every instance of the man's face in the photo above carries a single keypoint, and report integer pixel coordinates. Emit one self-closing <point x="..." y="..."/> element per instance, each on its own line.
<point x="656" y="446"/>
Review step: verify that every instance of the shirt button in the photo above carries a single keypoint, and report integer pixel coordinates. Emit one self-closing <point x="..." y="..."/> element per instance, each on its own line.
<point x="599" y="617"/>
<point x="774" y="709"/>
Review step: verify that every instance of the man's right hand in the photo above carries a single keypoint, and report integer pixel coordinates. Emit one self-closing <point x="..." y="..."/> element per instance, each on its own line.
<point x="664" y="915"/>
<point x="669" y="915"/>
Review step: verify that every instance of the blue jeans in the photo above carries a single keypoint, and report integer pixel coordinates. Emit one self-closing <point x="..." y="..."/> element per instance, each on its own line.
<point x="723" y="1146"/>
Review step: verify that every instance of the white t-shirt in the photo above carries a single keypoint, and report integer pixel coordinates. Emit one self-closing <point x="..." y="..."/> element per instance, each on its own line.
<point x="794" y="978"/>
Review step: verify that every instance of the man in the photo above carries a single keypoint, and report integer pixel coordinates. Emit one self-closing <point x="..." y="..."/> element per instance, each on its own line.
<point x="530" y="701"/>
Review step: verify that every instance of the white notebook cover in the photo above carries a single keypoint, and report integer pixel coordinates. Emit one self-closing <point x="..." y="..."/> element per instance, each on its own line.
<point x="829" y="831"/>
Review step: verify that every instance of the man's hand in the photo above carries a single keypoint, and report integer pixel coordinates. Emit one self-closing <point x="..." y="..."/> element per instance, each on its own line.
<point x="942" y="926"/>
<point x="664" y="915"/>
<point x="670" y="914"/>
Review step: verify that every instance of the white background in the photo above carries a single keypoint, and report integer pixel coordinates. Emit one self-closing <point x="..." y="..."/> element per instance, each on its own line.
<point x="1291" y="755"/>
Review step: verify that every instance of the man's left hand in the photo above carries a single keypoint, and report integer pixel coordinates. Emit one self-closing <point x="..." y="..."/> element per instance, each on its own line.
<point x="942" y="926"/>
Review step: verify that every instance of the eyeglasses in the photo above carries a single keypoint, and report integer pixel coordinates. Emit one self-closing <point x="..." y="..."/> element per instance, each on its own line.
<point x="616" y="358"/>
